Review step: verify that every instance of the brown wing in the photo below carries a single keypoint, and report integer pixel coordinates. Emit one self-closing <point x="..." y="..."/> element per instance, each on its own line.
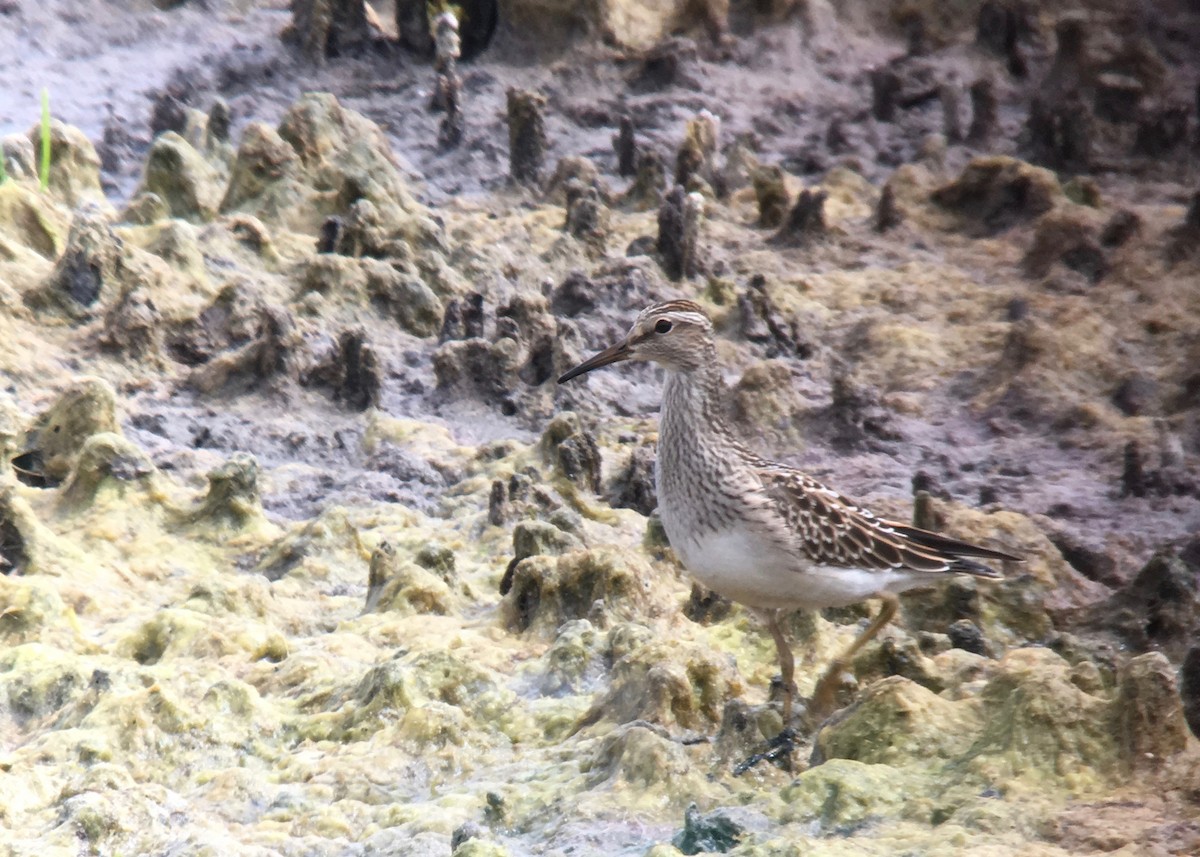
<point x="830" y="529"/>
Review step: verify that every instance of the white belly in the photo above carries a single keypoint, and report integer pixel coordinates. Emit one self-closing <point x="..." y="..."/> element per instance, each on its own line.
<point x="751" y="571"/>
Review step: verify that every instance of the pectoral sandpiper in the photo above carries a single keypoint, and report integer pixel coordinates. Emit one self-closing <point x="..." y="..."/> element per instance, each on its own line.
<point x="759" y="532"/>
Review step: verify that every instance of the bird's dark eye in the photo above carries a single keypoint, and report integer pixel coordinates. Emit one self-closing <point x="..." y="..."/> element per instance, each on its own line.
<point x="662" y="326"/>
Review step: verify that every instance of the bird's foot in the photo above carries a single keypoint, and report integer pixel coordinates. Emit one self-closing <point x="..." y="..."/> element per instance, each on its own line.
<point x="779" y="753"/>
<point x="824" y="700"/>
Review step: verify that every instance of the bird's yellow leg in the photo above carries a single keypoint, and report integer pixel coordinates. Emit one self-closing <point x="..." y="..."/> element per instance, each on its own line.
<point x="823" y="697"/>
<point x="787" y="664"/>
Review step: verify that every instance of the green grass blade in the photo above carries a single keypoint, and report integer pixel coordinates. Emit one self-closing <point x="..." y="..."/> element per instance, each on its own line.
<point x="44" y="171"/>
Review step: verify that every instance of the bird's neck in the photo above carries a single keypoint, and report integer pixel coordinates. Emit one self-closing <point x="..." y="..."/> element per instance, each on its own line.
<point x="692" y="402"/>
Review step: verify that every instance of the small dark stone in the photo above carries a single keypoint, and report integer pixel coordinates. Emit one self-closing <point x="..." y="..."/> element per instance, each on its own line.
<point x="464" y="833"/>
<point x="574" y="296"/>
<point x="169" y="112"/>
<point x="381" y="569"/>
<point x="656" y="536"/>
<point x="1060" y="134"/>
<point x="361" y="383"/>
<point x="634" y="488"/>
<point x="496" y="811"/>
<point x="925" y="481"/>
<point x="662" y="66"/>
<point x="762" y="323"/>
<point x="89" y="270"/>
<point x="805" y="222"/>
<point x="916" y="34"/>
<point x="689" y="161"/>
<point x="999" y="28"/>
<point x="887" y="215"/>
<point x="1022" y="347"/>
<point x="1087" y="259"/>
<point x="330" y="235"/>
<point x="1067" y="240"/>
<point x="678" y="229"/>
<point x="647" y="188"/>
<point x="1133" y="476"/>
<point x="268" y="354"/>
<point x="1092" y="562"/>
<point x="738" y="735"/>
<point x="993" y="24"/>
<point x="835" y="135"/>
<point x="438" y="559"/>
<point x="352" y="372"/>
<point x="218" y="122"/>
<point x="463" y="318"/>
<point x="705" y="606"/>
<point x="326" y="29"/>
<point x="885" y="89"/>
<point x="951" y="122"/>
<point x="643" y="245"/>
<point x="1160" y="132"/>
<point x="579" y="460"/>
<point x="752" y="309"/>
<point x="1158" y="609"/>
<point x="506" y="580"/>
<point x="134" y="327"/>
<point x="924" y="515"/>
<point x="1122" y="226"/>
<point x="497" y="504"/>
<point x="855" y="415"/>
<point x="770" y="190"/>
<point x="412" y="23"/>
<point x="1118" y="97"/>
<point x="81" y="278"/>
<point x="707" y="833"/>
<point x="984" y="107"/>
<point x="101" y="680"/>
<point x="656" y="73"/>
<point x="1134" y="395"/>
<point x="585" y="213"/>
<point x="526" y="135"/>
<point x="1069" y="74"/>
<point x="477" y="21"/>
<point x="233" y="492"/>
<point x="1150" y="723"/>
<point x="965" y="634"/>
<point x="452" y="126"/>
<point x="625" y="145"/>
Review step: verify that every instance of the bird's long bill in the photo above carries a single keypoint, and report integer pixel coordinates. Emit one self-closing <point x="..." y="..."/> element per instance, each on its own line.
<point x="612" y="354"/>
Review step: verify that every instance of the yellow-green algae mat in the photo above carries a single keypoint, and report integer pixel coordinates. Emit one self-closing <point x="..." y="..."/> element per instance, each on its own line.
<point x="181" y="674"/>
<point x="161" y="700"/>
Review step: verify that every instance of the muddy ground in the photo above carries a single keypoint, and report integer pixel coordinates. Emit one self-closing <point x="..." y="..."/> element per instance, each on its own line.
<point x="781" y="88"/>
<point x="1035" y="368"/>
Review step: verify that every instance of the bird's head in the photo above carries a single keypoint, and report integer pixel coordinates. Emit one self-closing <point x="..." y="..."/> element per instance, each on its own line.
<point x="676" y="335"/>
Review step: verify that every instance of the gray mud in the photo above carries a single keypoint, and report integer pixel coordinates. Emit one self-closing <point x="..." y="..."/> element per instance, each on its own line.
<point x="935" y="356"/>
